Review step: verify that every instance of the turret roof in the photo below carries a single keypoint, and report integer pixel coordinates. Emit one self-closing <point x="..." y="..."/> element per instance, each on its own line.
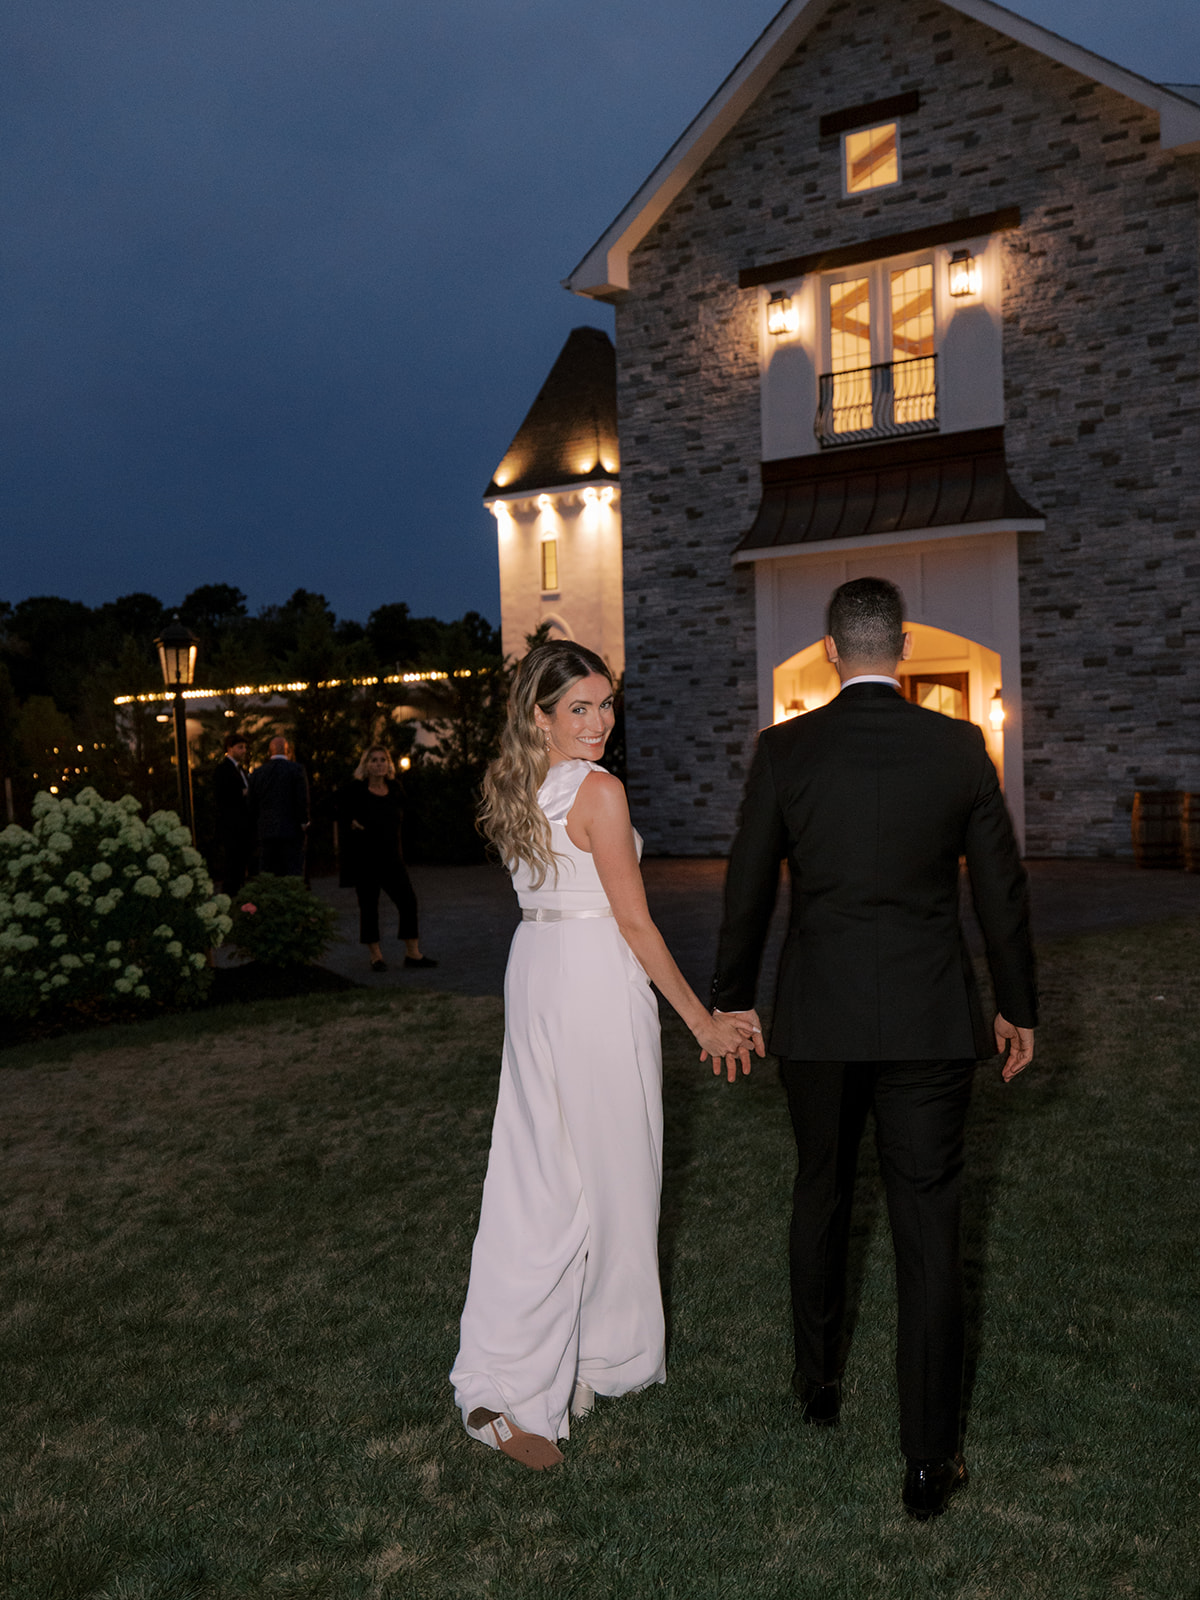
<point x="570" y="432"/>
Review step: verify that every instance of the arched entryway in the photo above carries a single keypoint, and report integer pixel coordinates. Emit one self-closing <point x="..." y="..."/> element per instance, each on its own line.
<point x="946" y="672"/>
<point x="960" y="594"/>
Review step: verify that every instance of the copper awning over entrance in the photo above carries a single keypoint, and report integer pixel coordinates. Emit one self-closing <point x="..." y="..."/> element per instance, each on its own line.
<point x="935" y="482"/>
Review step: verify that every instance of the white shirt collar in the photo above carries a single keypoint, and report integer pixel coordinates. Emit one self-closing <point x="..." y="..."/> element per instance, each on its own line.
<point x="872" y="677"/>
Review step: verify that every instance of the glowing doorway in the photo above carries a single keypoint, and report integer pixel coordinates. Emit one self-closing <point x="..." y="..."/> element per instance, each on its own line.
<point x="946" y="672"/>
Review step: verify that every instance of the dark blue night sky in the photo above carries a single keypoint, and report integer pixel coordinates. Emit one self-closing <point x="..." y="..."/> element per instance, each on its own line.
<point x="280" y="278"/>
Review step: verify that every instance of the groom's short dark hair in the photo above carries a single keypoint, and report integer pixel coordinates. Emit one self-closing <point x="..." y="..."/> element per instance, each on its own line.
<point x="866" y="620"/>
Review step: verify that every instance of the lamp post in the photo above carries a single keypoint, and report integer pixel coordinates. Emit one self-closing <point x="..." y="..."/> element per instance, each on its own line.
<point x="176" y="647"/>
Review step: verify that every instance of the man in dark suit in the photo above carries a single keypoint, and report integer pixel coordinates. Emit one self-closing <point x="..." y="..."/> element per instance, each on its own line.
<point x="873" y="801"/>
<point x="278" y="797"/>
<point x="234" y="839"/>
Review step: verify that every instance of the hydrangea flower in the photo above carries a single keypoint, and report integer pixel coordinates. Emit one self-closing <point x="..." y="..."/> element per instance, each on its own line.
<point x="142" y="944"/>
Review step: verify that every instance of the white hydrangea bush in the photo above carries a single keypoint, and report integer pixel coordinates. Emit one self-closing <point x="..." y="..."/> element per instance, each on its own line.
<point x="99" y="906"/>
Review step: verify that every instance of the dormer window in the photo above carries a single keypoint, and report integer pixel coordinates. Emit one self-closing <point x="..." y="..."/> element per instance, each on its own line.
<point x="871" y="157"/>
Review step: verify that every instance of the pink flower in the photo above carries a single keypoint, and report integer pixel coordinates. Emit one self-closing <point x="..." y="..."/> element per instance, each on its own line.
<point x="249" y="909"/>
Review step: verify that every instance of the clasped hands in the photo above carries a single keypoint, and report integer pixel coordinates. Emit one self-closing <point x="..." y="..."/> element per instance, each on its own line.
<point x="748" y="1031"/>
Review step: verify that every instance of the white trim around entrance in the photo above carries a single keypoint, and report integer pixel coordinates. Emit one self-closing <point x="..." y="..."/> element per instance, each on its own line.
<point x="962" y="580"/>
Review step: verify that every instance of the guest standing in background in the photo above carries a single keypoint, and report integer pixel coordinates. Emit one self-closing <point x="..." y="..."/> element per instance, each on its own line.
<point x="230" y="790"/>
<point x="278" y="801"/>
<point x="370" y="809"/>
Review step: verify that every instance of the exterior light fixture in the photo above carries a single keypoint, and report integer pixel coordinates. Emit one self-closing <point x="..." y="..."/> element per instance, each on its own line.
<point x="996" y="711"/>
<point x="964" y="274"/>
<point x="591" y="495"/>
<point x="404" y="763"/>
<point x="544" y="502"/>
<point x="782" y="315"/>
<point x="607" y="494"/>
<point x="177" y="647"/>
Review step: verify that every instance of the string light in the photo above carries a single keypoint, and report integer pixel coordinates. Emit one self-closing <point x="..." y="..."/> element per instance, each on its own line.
<point x="296" y="688"/>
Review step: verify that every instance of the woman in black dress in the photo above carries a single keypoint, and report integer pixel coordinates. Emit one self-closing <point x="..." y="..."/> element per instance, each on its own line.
<point x="369" y="815"/>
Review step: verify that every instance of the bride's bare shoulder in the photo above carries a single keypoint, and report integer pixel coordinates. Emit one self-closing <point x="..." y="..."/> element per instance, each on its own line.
<point x="601" y="793"/>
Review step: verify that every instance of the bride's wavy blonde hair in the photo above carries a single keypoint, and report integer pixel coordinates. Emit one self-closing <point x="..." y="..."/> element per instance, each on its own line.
<point x="509" y="815"/>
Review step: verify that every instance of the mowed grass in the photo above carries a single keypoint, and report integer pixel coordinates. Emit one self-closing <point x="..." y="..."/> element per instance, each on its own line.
<point x="234" y="1254"/>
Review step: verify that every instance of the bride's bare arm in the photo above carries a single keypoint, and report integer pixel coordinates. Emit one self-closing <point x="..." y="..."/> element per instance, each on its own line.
<point x="599" y="822"/>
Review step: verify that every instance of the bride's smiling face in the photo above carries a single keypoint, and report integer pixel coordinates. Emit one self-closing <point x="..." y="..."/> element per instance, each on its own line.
<point x="579" y="725"/>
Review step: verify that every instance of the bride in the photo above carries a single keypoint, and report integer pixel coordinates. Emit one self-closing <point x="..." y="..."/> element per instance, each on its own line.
<point x="564" y="1301"/>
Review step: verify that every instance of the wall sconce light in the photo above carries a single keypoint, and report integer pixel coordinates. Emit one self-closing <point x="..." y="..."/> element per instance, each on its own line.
<point x="606" y="494"/>
<point x="964" y="274"/>
<point x="544" y="502"/>
<point x="996" y="711"/>
<point x="591" y="495"/>
<point x="782" y="315"/>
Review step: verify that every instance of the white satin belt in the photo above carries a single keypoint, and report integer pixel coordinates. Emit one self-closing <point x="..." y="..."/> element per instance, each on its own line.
<point x="552" y="914"/>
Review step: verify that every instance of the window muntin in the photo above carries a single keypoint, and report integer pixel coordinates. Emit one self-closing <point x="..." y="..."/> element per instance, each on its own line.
<point x="549" y="565"/>
<point x="850" y="354"/>
<point x="871" y="157"/>
<point x="912" y="343"/>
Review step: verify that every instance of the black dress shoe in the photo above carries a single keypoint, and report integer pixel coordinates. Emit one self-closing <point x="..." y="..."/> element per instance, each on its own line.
<point x="929" y="1484"/>
<point x="419" y="961"/>
<point x="819" y="1402"/>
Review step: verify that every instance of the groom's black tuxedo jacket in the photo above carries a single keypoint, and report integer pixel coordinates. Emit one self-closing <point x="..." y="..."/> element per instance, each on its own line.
<point x="873" y="801"/>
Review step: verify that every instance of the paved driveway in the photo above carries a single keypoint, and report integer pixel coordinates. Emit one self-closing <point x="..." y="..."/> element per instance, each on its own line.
<point x="468" y="915"/>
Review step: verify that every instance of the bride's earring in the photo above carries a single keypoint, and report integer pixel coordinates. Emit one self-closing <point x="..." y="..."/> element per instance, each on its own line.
<point x="546" y="742"/>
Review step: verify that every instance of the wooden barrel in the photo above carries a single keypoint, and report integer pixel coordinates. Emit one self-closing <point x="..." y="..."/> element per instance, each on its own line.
<point x="1158" y="828"/>
<point x="1191" y="832"/>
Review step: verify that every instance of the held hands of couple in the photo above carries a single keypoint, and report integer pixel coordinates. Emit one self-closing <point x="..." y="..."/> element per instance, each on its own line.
<point x="736" y="1034"/>
<point x="1019" y="1042"/>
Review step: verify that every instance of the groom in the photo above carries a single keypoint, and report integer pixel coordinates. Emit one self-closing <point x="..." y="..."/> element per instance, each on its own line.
<point x="873" y="801"/>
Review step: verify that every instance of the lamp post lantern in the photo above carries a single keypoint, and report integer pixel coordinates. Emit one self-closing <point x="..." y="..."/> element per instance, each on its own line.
<point x="176" y="647"/>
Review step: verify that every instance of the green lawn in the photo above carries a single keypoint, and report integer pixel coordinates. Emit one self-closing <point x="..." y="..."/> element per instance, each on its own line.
<point x="234" y="1253"/>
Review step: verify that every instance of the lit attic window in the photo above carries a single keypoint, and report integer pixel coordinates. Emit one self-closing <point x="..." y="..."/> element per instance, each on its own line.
<point x="872" y="157"/>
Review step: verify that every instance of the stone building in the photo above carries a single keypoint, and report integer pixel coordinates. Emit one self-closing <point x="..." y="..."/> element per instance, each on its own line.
<point x="915" y="295"/>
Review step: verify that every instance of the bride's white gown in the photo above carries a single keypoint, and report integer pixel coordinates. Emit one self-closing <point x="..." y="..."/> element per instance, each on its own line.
<point x="564" y="1271"/>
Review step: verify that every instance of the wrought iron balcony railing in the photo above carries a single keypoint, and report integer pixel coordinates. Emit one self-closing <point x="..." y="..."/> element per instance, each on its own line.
<point x="880" y="402"/>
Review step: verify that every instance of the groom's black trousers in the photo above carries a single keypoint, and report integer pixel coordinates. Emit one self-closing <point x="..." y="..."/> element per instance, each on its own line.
<point x="920" y="1115"/>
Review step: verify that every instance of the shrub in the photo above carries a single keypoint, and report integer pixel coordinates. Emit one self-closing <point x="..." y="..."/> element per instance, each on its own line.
<point x="98" y="907"/>
<point x="278" y="922"/>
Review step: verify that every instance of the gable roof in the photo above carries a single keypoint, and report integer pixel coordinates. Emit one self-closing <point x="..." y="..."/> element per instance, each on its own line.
<point x="604" y="271"/>
<point x="570" y="432"/>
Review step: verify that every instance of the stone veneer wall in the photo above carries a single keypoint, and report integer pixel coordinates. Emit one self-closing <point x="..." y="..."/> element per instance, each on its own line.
<point x="1102" y="368"/>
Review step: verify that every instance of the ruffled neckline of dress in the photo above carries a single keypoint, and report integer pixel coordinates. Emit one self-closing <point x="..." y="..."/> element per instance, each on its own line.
<point x="560" y="786"/>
